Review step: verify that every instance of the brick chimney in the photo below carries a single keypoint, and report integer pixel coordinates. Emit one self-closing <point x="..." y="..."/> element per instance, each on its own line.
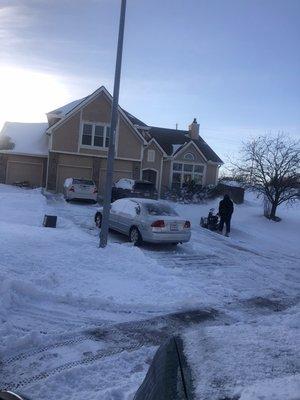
<point x="194" y="130"/>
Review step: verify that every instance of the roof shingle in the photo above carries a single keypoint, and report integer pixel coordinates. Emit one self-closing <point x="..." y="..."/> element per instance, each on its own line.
<point x="169" y="138"/>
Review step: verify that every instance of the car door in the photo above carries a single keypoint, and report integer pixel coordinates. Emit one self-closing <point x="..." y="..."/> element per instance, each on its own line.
<point x="128" y="215"/>
<point x="114" y="215"/>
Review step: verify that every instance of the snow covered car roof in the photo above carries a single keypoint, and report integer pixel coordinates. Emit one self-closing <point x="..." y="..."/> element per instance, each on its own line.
<point x="25" y="138"/>
<point x="142" y="200"/>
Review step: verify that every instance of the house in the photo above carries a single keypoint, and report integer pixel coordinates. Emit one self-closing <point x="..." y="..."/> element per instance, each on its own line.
<point x="74" y="143"/>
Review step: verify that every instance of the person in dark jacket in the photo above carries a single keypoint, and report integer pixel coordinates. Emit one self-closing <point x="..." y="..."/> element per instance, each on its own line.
<point x="225" y="213"/>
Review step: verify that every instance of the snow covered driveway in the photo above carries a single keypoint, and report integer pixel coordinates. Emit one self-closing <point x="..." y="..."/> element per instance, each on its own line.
<point x="85" y="321"/>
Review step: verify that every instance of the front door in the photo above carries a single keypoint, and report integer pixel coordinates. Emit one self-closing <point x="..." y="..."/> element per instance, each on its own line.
<point x="150" y="175"/>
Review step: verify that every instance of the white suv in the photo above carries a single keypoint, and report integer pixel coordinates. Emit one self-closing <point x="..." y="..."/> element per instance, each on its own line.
<point x="75" y="188"/>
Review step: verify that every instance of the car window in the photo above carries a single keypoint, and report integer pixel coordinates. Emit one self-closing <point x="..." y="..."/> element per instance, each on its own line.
<point x="143" y="186"/>
<point x="83" y="182"/>
<point x="159" y="209"/>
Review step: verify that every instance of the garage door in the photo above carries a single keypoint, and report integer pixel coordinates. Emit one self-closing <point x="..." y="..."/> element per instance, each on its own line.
<point x="24" y="172"/>
<point x="67" y="171"/>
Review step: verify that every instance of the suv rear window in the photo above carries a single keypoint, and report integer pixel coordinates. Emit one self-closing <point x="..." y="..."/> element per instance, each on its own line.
<point x="159" y="209"/>
<point x="83" y="182"/>
<point x="144" y="186"/>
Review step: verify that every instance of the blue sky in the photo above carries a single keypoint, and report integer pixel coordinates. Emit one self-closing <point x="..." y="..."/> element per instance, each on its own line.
<point x="233" y="64"/>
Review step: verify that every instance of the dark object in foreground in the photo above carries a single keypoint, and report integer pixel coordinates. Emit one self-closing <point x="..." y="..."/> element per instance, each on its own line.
<point x="225" y="212"/>
<point x="50" y="221"/>
<point x="168" y="377"/>
<point x="10" y="396"/>
<point x="211" y="221"/>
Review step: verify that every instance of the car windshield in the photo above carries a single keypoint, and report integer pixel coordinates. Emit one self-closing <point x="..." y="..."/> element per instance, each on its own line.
<point x="83" y="182"/>
<point x="159" y="209"/>
<point x="143" y="186"/>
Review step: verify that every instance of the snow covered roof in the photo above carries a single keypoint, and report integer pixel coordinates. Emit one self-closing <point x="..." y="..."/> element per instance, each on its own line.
<point x="64" y="110"/>
<point x="27" y="138"/>
<point x="176" y="147"/>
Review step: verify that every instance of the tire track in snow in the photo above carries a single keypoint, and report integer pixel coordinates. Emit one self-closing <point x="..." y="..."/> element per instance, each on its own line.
<point x="169" y="320"/>
<point x="128" y="336"/>
<point x="68" y="366"/>
<point x="25" y="355"/>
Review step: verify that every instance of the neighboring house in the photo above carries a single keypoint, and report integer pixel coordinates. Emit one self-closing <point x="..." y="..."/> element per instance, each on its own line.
<point x="75" y="141"/>
<point x="23" y="153"/>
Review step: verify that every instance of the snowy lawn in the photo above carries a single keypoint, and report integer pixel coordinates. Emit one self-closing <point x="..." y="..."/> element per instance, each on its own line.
<point x="57" y="287"/>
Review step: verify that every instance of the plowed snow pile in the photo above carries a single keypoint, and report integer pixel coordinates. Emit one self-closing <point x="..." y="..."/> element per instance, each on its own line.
<point x="57" y="286"/>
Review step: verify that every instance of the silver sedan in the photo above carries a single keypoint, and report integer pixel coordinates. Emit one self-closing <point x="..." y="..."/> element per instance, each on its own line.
<point x="146" y="220"/>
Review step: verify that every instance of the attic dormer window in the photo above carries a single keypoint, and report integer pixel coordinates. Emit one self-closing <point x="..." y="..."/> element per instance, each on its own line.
<point x="189" y="157"/>
<point x="95" y="135"/>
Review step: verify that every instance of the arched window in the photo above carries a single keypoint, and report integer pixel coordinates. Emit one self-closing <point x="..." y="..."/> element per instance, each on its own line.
<point x="189" y="157"/>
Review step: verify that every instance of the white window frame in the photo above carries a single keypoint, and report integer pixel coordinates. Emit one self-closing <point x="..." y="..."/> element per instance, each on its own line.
<point x="182" y="172"/>
<point x="151" y="155"/>
<point x="189" y="157"/>
<point x="94" y="124"/>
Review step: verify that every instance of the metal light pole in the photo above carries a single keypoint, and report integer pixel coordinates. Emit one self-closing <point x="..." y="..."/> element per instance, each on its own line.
<point x="113" y="124"/>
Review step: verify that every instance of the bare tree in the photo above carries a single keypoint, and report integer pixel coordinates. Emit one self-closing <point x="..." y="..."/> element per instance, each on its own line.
<point x="271" y="165"/>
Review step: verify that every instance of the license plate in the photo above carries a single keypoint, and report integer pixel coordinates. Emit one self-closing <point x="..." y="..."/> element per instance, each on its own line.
<point x="147" y="194"/>
<point x="173" y="226"/>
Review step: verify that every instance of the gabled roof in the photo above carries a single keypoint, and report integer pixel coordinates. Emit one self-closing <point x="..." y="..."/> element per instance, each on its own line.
<point x="67" y="108"/>
<point x="207" y="151"/>
<point x="171" y="140"/>
<point x="66" y="111"/>
<point x="168" y="137"/>
<point x="133" y="119"/>
<point x="153" y="140"/>
<point x="28" y="138"/>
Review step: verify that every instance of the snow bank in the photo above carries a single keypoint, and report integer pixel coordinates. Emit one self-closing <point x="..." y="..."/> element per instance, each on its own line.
<point x="57" y="281"/>
<point x="287" y="388"/>
<point x="224" y="358"/>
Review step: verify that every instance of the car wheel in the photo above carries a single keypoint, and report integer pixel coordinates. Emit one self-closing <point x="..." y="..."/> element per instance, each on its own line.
<point x="98" y="219"/>
<point x="135" y="236"/>
<point x="67" y="200"/>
